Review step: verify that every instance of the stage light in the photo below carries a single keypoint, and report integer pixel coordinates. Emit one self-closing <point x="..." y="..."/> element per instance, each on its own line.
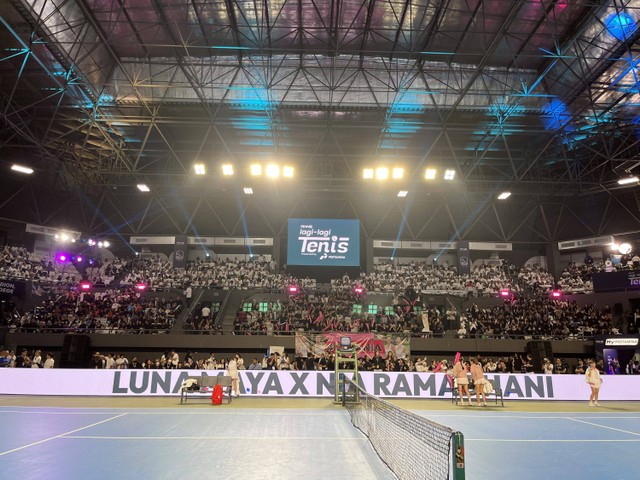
<point x="143" y="187"/>
<point x="449" y="174"/>
<point x="248" y="191"/>
<point x="287" y="172"/>
<point x="21" y="169"/>
<point x="624" y="248"/>
<point x="273" y="171"/>
<point x="504" y="195"/>
<point x="62" y="257"/>
<point x="200" y="169"/>
<point x="255" y="169"/>
<point x="430" y="174"/>
<point x="504" y="292"/>
<point x="628" y="180"/>
<point x="91" y="242"/>
<point x="85" y="286"/>
<point x="620" y="25"/>
<point x="397" y="173"/>
<point x="227" y="169"/>
<point x="614" y="247"/>
<point x="79" y="259"/>
<point x="100" y="244"/>
<point x="556" y="294"/>
<point x="382" y="173"/>
<point x="367" y="173"/>
<point x="106" y="244"/>
<point x="292" y="289"/>
<point x="141" y="287"/>
<point x="358" y="290"/>
<point x="402" y="193"/>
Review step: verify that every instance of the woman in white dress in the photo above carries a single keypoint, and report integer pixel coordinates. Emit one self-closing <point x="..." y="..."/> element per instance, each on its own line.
<point x="460" y="374"/>
<point x="592" y="377"/>
<point x="232" y="370"/>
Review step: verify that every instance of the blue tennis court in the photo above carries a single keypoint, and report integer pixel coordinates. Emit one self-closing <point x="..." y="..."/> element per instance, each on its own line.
<point x="314" y="443"/>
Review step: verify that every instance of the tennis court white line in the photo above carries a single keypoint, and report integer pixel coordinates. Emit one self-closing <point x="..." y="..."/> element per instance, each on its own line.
<point x="61" y="435"/>
<point x="250" y="411"/>
<point x="548" y="441"/>
<point x="262" y="437"/>
<point x="560" y="415"/>
<point x="604" y="426"/>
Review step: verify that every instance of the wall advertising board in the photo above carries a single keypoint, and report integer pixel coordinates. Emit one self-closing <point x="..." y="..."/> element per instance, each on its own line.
<point x="268" y="383"/>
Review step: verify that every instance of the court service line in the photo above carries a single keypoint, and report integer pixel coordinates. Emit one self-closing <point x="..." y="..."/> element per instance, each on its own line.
<point x="604" y="426"/>
<point x="245" y="437"/>
<point x="61" y="435"/>
<point x="244" y="412"/>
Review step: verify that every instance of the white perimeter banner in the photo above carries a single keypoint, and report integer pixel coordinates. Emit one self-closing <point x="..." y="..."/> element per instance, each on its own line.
<point x="268" y="383"/>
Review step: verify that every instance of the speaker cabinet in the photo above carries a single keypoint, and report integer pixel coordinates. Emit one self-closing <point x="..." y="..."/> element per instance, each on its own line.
<point x="540" y="350"/>
<point x="76" y="351"/>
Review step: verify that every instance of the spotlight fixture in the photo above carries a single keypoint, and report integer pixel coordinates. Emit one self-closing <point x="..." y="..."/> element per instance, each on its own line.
<point x="430" y="173"/>
<point x="628" y="180"/>
<point x="382" y="173"/>
<point x="449" y="174"/>
<point x="367" y="173"/>
<point x="248" y="191"/>
<point x="143" y="187"/>
<point x="504" y="195"/>
<point x="402" y="193"/>
<point x="273" y="171"/>
<point x="624" y="248"/>
<point x="255" y="169"/>
<point x="21" y="169"/>
<point x="397" y="173"/>
<point x="287" y="171"/>
<point x="199" y="169"/>
<point x="227" y="169"/>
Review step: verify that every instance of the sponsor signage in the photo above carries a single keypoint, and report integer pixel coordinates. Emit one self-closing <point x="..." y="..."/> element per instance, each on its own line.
<point x="616" y="281"/>
<point x="180" y="249"/>
<point x="9" y="288"/>
<point x="323" y="242"/>
<point x="464" y="260"/>
<point x="269" y="383"/>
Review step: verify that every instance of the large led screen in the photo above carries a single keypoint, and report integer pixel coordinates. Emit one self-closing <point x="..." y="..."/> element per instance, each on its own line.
<point x="323" y="242"/>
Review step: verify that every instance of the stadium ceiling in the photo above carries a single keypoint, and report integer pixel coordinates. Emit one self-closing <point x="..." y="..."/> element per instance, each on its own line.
<point x="536" y="97"/>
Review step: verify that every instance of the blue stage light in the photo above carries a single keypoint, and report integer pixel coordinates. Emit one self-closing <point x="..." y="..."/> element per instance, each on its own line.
<point x="620" y="25"/>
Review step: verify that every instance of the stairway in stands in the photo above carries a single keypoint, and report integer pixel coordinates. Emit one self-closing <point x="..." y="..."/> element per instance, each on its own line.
<point x="231" y="306"/>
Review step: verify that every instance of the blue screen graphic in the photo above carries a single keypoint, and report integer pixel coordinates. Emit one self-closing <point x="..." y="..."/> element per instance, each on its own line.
<point x="323" y="242"/>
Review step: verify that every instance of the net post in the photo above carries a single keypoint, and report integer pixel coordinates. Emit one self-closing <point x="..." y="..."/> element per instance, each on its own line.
<point x="458" y="456"/>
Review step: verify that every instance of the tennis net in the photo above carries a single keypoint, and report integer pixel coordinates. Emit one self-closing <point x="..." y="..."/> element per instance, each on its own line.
<point x="412" y="446"/>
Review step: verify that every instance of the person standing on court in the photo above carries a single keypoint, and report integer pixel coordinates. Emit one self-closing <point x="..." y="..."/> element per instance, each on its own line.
<point x="232" y="370"/>
<point x="592" y="377"/>
<point x="477" y="375"/>
<point x="460" y="374"/>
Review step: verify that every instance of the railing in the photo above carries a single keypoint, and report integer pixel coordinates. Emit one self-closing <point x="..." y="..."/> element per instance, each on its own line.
<point x="165" y="329"/>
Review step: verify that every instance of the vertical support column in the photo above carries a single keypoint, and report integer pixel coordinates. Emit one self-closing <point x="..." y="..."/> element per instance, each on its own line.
<point x="458" y="456"/>
<point x="553" y="260"/>
<point x="275" y="253"/>
<point x="368" y="255"/>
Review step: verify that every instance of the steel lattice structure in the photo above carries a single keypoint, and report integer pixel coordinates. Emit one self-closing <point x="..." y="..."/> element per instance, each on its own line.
<point x="537" y="97"/>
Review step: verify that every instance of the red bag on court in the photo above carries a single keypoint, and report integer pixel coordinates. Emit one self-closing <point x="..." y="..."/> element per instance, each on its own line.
<point x="216" y="396"/>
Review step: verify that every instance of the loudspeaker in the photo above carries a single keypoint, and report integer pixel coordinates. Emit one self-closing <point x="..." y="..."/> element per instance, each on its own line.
<point x="76" y="351"/>
<point x="540" y="350"/>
